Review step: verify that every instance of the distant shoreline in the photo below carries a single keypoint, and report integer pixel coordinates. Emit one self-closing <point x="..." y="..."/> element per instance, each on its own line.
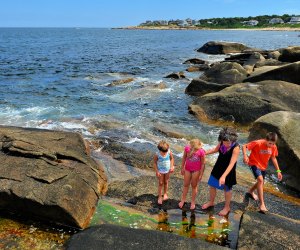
<point x="196" y="28"/>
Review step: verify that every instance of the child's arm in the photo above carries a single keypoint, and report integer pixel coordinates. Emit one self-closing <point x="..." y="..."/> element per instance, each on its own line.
<point x="172" y="162"/>
<point x="275" y="163"/>
<point x="233" y="160"/>
<point x="213" y="150"/>
<point x="202" y="167"/>
<point x="183" y="162"/>
<point x="155" y="166"/>
<point x="246" y="158"/>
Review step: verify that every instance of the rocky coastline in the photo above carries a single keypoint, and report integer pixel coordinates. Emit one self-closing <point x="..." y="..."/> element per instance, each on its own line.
<point x="57" y="177"/>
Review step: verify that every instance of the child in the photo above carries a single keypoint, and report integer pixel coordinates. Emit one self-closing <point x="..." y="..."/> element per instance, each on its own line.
<point x="223" y="175"/>
<point x="261" y="151"/>
<point x="192" y="168"/>
<point x="163" y="165"/>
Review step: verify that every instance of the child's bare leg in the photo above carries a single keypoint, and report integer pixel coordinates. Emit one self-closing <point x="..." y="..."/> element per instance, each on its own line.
<point x="260" y="191"/>
<point x="251" y="191"/>
<point x="166" y="185"/>
<point x="212" y="196"/>
<point x="186" y="184"/>
<point x="226" y="208"/>
<point x="194" y="184"/>
<point x="160" y="185"/>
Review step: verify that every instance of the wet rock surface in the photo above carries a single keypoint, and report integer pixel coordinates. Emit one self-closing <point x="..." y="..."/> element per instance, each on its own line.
<point x="49" y="175"/>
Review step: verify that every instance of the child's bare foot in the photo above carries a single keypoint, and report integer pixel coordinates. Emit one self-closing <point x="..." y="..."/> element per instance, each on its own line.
<point x="252" y="195"/>
<point x="181" y="204"/>
<point x="263" y="209"/>
<point x="166" y="197"/>
<point x="207" y="205"/>
<point x="159" y="201"/>
<point x="224" y="212"/>
<point x="193" y="206"/>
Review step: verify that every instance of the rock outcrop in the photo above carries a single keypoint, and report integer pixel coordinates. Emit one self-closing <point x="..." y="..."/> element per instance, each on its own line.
<point x="286" y="124"/>
<point x="271" y="231"/>
<point x="49" y="175"/>
<point x="287" y="73"/>
<point x="116" y="237"/>
<point x="225" y="73"/>
<point x="245" y="102"/>
<point x="215" y="47"/>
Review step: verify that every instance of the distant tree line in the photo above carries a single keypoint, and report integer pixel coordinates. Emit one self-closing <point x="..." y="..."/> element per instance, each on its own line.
<point x="231" y="22"/>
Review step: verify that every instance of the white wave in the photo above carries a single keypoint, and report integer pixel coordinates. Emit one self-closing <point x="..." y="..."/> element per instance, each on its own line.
<point x="133" y="140"/>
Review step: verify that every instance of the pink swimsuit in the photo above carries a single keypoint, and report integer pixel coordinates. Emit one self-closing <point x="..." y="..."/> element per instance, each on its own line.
<point x="193" y="163"/>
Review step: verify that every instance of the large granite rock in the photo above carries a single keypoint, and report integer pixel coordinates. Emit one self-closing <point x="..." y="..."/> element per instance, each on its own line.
<point x="245" y="102"/>
<point x="288" y="73"/>
<point x="290" y="54"/>
<point x="199" y="87"/>
<point x="271" y="231"/>
<point x="116" y="237"/>
<point x="225" y="73"/>
<point x="286" y="124"/>
<point x="49" y="175"/>
<point x="215" y="47"/>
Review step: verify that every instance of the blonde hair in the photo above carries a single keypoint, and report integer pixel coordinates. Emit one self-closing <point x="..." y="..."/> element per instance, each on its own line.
<point x="163" y="146"/>
<point x="195" y="144"/>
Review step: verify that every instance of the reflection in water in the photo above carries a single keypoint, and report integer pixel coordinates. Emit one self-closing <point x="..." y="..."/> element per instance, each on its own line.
<point x="195" y="224"/>
<point x="163" y="223"/>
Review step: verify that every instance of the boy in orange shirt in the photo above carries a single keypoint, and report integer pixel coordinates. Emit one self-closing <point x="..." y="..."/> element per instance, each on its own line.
<point x="261" y="151"/>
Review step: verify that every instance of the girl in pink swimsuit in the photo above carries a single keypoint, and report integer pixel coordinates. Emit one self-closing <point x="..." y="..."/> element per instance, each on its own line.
<point x="192" y="169"/>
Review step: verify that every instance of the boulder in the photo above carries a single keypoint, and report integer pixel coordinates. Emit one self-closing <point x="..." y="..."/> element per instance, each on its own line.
<point x="290" y="54"/>
<point x="286" y="125"/>
<point x="49" y="175"/>
<point x="109" y="237"/>
<point x="199" y="87"/>
<point x="178" y="75"/>
<point x="195" y="61"/>
<point x="215" y="47"/>
<point x="268" y="62"/>
<point x="270" y="231"/>
<point x="288" y="73"/>
<point x="199" y="67"/>
<point x="245" y="102"/>
<point x="120" y="82"/>
<point x="225" y="73"/>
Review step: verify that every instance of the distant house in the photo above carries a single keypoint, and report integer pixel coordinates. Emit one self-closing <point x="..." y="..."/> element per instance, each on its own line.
<point x="250" y="22"/>
<point x="189" y="21"/>
<point x="294" y="20"/>
<point x="195" y="22"/>
<point x="276" y="21"/>
<point x="163" y="22"/>
<point x="183" y="23"/>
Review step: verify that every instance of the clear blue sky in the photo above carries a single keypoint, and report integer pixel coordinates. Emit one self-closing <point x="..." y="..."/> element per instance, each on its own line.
<point x="117" y="13"/>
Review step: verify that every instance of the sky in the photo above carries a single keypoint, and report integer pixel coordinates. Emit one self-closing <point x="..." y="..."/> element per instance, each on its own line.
<point x="122" y="13"/>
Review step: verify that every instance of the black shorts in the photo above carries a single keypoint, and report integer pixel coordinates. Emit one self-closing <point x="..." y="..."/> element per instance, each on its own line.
<point x="257" y="172"/>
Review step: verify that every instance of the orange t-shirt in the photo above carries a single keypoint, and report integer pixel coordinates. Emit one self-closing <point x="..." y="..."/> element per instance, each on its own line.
<point x="260" y="153"/>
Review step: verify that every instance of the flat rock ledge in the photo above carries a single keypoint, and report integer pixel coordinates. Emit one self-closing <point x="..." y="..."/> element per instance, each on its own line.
<point x="49" y="175"/>
<point x="116" y="237"/>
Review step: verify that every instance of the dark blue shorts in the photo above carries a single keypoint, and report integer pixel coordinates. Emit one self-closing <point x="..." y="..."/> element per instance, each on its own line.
<point x="257" y="172"/>
<point x="214" y="182"/>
